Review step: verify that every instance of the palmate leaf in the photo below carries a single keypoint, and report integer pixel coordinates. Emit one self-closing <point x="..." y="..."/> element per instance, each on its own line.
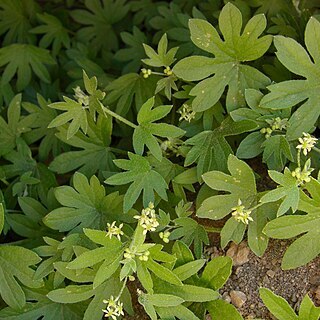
<point x="95" y="155"/>
<point x="128" y="90"/>
<point x="288" y="94"/>
<point x="43" y="116"/>
<point x="239" y="185"/>
<point x="75" y="112"/>
<point x="307" y="246"/>
<point x="143" y="179"/>
<point x="85" y="205"/>
<point x="288" y="190"/>
<point x="227" y="65"/>
<point x="44" y="308"/>
<point x="98" y="23"/>
<point x="162" y="58"/>
<point x="210" y="150"/>
<point x="16" y="18"/>
<point x="147" y="129"/>
<point x="15" y="125"/>
<point x="78" y="293"/>
<point x="12" y="269"/>
<point x="133" y="54"/>
<point x="23" y="59"/>
<point x="54" y="33"/>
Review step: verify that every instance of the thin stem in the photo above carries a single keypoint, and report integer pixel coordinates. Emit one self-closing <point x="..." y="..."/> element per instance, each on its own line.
<point x="118" y="117"/>
<point x="316" y="149"/>
<point x="212" y="229"/>
<point x="299" y="158"/>
<point x="122" y="288"/>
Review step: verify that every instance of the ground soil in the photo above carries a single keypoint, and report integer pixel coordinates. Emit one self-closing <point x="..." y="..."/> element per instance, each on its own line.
<point x="259" y="272"/>
<point x="266" y="271"/>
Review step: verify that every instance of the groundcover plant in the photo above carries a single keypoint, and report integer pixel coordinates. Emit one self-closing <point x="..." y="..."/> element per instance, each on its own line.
<point x="124" y="123"/>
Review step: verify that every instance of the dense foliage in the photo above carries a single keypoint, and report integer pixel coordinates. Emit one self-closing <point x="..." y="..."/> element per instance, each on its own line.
<point x="123" y="123"/>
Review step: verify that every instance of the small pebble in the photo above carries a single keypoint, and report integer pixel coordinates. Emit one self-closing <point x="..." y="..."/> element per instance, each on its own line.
<point x="271" y="273"/>
<point x="238" y="298"/>
<point x="238" y="253"/>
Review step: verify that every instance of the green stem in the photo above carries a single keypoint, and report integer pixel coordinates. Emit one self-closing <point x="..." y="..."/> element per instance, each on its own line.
<point x="118" y="117"/>
<point x="316" y="149"/>
<point x="122" y="288"/>
<point x="299" y="158"/>
<point x="212" y="229"/>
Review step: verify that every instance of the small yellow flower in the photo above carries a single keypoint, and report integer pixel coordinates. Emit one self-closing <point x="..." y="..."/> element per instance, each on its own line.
<point x="146" y="73"/>
<point x="303" y="176"/>
<point x="307" y="142"/>
<point x="240" y="214"/>
<point x="114" y="308"/>
<point x="113" y="230"/>
<point x="164" y="236"/>
<point x="187" y="113"/>
<point x="148" y="219"/>
<point x="167" y="71"/>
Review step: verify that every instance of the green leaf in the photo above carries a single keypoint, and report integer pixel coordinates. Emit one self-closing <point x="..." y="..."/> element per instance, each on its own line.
<point x="180" y="312"/>
<point x="147" y="129"/>
<point x="96" y="153"/>
<point x="162" y="58"/>
<point x="163" y="300"/>
<point x="16" y="125"/>
<point x="1" y="217"/>
<point x="16" y="19"/>
<point x="84" y="206"/>
<point x="278" y="306"/>
<point x="43" y="308"/>
<point x="22" y="59"/>
<point x="133" y="52"/>
<point x="130" y="90"/>
<point x="190" y="231"/>
<point x="305" y="248"/>
<point x="40" y="131"/>
<point x="217" y="272"/>
<point x="12" y="270"/>
<point x="210" y="149"/>
<point x="250" y="146"/>
<point x="71" y="294"/>
<point x="289" y="93"/>
<point x="226" y="66"/>
<point x="241" y="185"/>
<point x="220" y="310"/>
<point x="143" y="177"/>
<point x="98" y="20"/>
<point x="75" y="112"/>
<point x="189" y="269"/>
<point x="163" y="273"/>
<point x="187" y="292"/>
<point x="276" y="152"/>
<point x="288" y="190"/>
<point x="54" y="33"/>
<point x="308" y="311"/>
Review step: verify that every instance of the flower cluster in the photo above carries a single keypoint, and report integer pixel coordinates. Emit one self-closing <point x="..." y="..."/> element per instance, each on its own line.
<point x="187" y="113"/>
<point x="114" y="308"/>
<point x="147" y="219"/>
<point x="307" y="142"/>
<point x="275" y="124"/>
<point x="146" y="73"/>
<point x="171" y="146"/>
<point x="164" y="236"/>
<point x="131" y="254"/>
<point x="240" y="214"/>
<point x="167" y="71"/>
<point x="113" y="230"/>
<point x="303" y="176"/>
<point x="81" y="97"/>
